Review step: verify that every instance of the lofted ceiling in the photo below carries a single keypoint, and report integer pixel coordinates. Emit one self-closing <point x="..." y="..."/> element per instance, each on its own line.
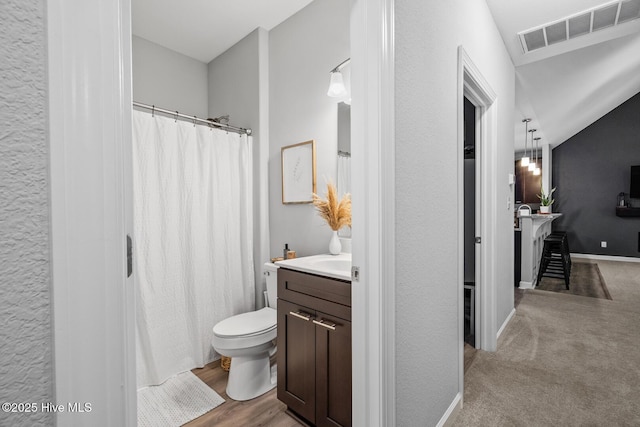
<point x="203" y="29"/>
<point x="569" y="85"/>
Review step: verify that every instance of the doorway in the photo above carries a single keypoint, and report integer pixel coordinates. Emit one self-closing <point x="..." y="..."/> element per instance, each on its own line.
<point x="470" y="216"/>
<point x="89" y="234"/>
<point x="477" y="91"/>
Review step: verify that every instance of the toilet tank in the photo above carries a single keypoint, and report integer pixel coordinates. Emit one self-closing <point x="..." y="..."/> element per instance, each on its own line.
<point x="271" y="275"/>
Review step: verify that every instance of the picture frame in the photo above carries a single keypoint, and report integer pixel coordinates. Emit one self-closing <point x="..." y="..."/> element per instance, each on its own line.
<point x="298" y="172"/>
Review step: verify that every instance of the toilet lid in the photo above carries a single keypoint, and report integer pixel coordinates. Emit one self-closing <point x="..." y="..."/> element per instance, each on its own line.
<point x="251" y="323"/>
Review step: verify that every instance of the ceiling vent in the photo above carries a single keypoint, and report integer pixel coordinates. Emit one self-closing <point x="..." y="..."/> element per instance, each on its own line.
<point x="586" y="22"/>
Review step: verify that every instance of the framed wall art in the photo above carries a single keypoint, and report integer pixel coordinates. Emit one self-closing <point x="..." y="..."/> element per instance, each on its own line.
<point x="298" y="172"/>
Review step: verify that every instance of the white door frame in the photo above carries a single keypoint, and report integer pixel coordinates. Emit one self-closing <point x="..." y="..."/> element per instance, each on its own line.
<point x="373" y="182"/>
<point x="89" y="94"/>
<point x="473" y="85"/>
<point x="90" y="166"/>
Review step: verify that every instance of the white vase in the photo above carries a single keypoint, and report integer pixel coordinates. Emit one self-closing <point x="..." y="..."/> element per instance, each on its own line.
<point x="545" y="209"/>
<point x="335" y="247"/>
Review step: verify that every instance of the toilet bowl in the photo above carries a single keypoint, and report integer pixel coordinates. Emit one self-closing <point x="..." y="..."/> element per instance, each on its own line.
<point x="249" y="339"/>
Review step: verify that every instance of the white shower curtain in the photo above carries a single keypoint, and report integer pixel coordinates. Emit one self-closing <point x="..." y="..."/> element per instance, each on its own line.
<point x="192" y="240"/>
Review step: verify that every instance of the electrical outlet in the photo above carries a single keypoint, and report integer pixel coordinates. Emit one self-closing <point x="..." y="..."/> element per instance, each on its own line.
<point x="603" y="244"/>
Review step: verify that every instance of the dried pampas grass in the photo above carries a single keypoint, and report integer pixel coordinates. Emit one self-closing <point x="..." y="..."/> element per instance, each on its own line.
<point x="337" y="214"/>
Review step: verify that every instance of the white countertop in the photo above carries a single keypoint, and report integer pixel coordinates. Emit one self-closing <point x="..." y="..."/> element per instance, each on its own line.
<point x="553" y="215"/>
<point x="334" y="266"/>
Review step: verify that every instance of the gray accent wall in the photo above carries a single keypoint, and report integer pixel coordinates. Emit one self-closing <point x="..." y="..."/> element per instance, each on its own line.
<point x="302" y="51"/>
<point x="26" y="366"/>
<point x="589" y="170"/>
<point x="168" y="79"/>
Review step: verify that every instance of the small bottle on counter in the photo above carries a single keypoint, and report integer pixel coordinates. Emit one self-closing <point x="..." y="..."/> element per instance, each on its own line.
<point x="286" y="250"/>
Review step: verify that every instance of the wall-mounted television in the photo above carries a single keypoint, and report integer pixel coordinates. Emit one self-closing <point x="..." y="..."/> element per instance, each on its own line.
<point x="634" y="191"/>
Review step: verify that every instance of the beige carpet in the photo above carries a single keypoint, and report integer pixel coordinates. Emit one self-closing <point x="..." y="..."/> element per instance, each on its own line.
<point x="586" y="280"/>
<point x="563" y="360"/>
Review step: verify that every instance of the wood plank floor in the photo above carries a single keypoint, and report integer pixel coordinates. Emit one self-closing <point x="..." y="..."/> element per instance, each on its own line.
<point x="265" y="410"/>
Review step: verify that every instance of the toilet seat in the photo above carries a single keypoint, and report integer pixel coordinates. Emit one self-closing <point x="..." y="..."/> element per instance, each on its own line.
<point x="247" y="324"/>
<point x="244" y="331"/>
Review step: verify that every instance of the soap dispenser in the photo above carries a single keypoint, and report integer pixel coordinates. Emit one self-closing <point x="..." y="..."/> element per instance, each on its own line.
<point x="286" y="249"/>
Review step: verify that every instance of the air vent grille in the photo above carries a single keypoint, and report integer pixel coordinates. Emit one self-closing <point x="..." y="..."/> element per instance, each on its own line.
<point x="535" y="39"/>
<point x="629" y="10"/>
<point x="586" y="22"/>
<point x="579" y="25"/>
<point x="556" y="32"/>
<point x="605" y="17"/>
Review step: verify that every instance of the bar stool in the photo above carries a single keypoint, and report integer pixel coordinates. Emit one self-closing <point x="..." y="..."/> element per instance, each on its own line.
<point x="561" y="233"/>
<point x="556" y="260"/>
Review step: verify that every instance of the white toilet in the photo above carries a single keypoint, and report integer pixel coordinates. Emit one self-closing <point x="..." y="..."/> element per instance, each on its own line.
<point x="249" y="339"/>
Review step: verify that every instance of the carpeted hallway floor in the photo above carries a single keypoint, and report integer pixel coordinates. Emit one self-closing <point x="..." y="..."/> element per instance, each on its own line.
<point x="563" y="360"/>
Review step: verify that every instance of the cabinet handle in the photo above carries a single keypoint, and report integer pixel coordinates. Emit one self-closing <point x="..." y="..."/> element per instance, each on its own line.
<point x="300" y="315"/>
<point x="325" y="324"/>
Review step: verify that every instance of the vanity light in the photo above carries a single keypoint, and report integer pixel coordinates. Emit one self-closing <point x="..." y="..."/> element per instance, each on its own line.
<point x="336" y="85"/>
<point x="525" y="159"/>
<point x="532" y="166"/>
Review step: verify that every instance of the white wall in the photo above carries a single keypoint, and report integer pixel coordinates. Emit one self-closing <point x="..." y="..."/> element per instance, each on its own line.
<point x="302" y="51"/>
<point x="168" y="79"/>
<point x="238" y="86"/>
<point x="484" y="45"/>
<point x="26" y="371"/>
<point x="427" y="36"/>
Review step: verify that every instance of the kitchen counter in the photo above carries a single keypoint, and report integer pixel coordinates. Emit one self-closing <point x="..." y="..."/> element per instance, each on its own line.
<point x="535" y="228"/>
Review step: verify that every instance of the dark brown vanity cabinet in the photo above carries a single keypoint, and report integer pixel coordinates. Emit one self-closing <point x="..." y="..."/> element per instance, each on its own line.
<point x="314" y="347"/>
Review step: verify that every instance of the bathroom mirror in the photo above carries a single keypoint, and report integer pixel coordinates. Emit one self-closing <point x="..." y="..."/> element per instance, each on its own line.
<point x="344" y="127"/>
<point x="344" y="156"/>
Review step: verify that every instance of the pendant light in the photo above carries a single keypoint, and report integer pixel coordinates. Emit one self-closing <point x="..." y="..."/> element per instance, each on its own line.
<point x="524" y="161"/>
<point x="532" y="166"/>
<point x="536" y="171"/>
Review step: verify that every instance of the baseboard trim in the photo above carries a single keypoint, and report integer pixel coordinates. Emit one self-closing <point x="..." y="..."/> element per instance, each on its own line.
<point x="452" y="412"/>
<point x="504" y="325"/>
<point x="606" y="257"/>
<point x="526" y="285"/>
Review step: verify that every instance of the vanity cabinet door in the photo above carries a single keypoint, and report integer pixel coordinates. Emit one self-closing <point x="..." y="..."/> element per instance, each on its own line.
<point x="297" y="358"/>
<point x="333" y="371"/>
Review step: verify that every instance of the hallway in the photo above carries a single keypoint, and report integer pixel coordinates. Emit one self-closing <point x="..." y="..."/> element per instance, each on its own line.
<point x="562" y="360"/>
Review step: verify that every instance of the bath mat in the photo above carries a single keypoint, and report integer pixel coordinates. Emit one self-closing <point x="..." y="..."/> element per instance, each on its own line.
<point x="175" y="402"/>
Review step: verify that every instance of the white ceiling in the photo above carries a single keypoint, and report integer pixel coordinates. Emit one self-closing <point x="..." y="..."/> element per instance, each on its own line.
<point x="203" y="29"/>
<point x="566" y="87"/>
<point x="563" y="88"/>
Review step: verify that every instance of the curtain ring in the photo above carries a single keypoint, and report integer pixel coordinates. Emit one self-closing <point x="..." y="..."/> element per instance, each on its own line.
<point x="153" y="111"/>
<point x="176" y="117"/>
<point x="194" y="121"/>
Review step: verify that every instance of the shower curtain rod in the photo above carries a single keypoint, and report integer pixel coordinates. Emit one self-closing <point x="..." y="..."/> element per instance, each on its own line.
<point x="193" y="119"/>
